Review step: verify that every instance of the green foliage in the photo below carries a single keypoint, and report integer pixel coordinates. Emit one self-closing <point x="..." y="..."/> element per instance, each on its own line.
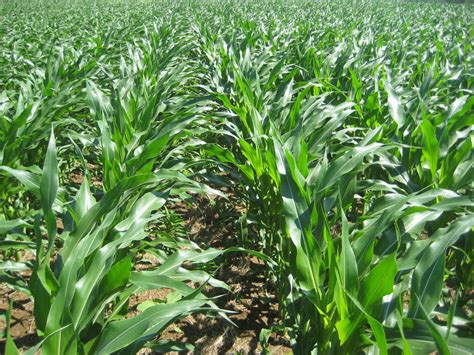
<point x="344" y="128"/>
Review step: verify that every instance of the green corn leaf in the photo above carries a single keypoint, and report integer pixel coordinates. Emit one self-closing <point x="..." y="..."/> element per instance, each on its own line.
<point x="428" y="275"/>
<point x="457" y="106"/>
<point x="14" y="266"/>
<point x="439" y="340"/>
<point x="117" y="277"/>
<point x="49" y="183"/>
<point x="379" y="282"/>
<point x="451" y="311"/>
<point x="431" y="146"/>
<point x="165" y="346"/>
<point x="420" y="338"/>
<point x="298" y="221"/>
<point x="347" y="261"/>
<point x="10" y="347"/>
<point x="13" y="244"/>
<point x="347" y="163"/>
<point x="395" y="106"/>
<point x="30" y="180"/>
<point x="376" y="327"/>
<point x="406" y="346"/>
<point x="117" y="335"/>
<point x="84" y="200"/>
<point x="7" y="226"/>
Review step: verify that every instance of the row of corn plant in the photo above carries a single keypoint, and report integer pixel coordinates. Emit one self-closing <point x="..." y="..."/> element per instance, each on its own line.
<point x="81" y="292"/>
<point x="130" y="135"/>
<point x="368" y="228"/>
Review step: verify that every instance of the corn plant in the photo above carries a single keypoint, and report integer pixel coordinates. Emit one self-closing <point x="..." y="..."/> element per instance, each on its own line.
<point x="86" y="286"/>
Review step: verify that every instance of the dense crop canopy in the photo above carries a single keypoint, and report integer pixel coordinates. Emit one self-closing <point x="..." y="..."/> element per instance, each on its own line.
<point x="344" y="131"/>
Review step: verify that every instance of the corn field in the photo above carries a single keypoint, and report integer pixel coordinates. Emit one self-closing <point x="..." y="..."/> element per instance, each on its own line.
<point x="342" y="131"/>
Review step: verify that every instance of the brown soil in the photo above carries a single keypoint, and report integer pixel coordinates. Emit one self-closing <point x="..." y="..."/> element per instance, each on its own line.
<point x="213" y="224"/>
<point x="254" y="309"/>
<point x="76" y="176"/>
<point x="22" y="326"/>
